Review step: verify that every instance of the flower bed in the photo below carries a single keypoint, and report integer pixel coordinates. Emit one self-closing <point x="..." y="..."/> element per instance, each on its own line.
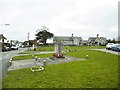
<point x="36" y="69"/>
<point x="58" y="55"/>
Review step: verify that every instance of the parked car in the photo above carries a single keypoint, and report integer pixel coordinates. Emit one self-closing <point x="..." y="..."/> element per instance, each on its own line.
<point x="14" y="47"/>
<point x="114" y="47"/>
<point x="109" y="45"/>
<point x="118" y="48"/>
<point x="6" y="47"/>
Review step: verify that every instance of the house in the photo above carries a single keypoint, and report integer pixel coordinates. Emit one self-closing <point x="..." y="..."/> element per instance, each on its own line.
<point x="85" y="42"/>
<point x="30" y="43"/>
<point x="15" y="42"/>
<point x="97" y="41"/>
<point x="66" y="40"/>
<point x="2" y="38"/>
<point x="103" y="41"/>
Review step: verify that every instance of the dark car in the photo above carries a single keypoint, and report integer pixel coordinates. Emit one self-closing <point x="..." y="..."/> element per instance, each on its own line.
<point x="116" y="47"/>
<point x="6" y="47"/>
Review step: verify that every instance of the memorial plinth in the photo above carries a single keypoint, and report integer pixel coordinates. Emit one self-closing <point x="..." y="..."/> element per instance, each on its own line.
<point x="58" y="50"/>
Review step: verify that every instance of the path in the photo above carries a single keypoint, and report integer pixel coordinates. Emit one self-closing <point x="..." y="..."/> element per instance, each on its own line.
<point x="35" y="53"/>
<point x="6" y="56"/>
<point x="32" y="63"/>
<point x="107" y="51"/>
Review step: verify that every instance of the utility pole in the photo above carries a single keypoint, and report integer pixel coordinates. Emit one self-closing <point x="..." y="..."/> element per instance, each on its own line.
<point x="28" y="40"/>
<point x="72" y="39"/>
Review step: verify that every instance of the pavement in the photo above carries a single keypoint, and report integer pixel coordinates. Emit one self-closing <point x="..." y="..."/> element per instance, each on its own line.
<point x="4" y="62"/>
<point x="6" y="56"/>
<point x="23" y="64"/>
<point x="48" y="52"/>
<point x="32" y="63"/>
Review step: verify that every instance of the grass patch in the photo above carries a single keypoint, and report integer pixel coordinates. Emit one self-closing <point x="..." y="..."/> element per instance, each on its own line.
<point x="51" y="48"/>
<point x="23" y="53"/>
<point x="29" y="52"/>
<point x="24" y="57"/>
<point x="44" y="48"/>
<point x="100" y="70"/>
<point x="78" y="50"/>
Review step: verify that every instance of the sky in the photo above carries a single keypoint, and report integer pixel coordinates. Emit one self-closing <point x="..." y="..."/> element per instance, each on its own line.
<point x="83" y="18"/>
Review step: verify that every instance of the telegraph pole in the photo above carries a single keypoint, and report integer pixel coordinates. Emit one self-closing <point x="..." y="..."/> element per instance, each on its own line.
<point x="72" y="39"/>
<point x="28" y="40"/>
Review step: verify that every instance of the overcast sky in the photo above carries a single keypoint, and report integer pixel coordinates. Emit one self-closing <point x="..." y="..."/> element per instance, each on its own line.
<point x="83" y="18"/>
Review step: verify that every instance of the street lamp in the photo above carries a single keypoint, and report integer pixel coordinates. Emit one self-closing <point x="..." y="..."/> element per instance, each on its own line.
<point x="6" y="24"/>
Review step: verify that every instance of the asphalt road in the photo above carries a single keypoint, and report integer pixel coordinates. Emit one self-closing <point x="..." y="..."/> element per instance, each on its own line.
<point x="6" y="56"/>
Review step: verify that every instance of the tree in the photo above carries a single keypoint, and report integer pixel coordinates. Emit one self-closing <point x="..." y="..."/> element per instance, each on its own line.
<point x="114" y="41"/>
<point x="111" y="41"/>
<point x="42" y="34"/>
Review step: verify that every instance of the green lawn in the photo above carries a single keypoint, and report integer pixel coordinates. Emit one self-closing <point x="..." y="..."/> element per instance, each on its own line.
<point x="39" y="49"/>
<point x="45" y="48"/>
<point x="78" y="49"/>
<point x="100" y="70"/>
<point x="24" y="57"/>
<point x="51" y="48"/>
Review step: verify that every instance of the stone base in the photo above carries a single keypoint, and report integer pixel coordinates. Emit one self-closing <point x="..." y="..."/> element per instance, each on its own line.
<point x="55" y="58"/>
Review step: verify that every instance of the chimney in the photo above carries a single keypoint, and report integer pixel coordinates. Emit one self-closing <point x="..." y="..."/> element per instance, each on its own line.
<point x="97" y="35"/>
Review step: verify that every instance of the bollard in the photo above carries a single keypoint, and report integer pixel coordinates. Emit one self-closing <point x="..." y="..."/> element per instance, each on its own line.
<point x="32" y="56"/>
<point x="87" y="56"/>
<point x="44" y="62"/>
<point x="10" y="62"/>
<point x="34" y="49"/>
<point x="35" y="58"/>
<point x="38" y="59"/>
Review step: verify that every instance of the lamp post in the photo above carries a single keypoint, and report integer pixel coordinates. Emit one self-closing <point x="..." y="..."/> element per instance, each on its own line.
<point x="5" y="24"/>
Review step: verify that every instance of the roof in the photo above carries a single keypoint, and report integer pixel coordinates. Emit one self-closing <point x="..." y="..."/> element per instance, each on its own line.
<point x="94" y="38"/>
<point x="2" y="37"/>
<point x="65" y="38"/>
<point x="102" y="37"/>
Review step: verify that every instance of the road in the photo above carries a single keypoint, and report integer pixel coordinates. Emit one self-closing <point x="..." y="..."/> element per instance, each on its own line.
<point x="6" y="56"/>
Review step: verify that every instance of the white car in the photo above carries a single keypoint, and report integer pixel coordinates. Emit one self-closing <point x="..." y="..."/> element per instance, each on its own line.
<point x="109" y="45"/>
<point x="14" y="47"/>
